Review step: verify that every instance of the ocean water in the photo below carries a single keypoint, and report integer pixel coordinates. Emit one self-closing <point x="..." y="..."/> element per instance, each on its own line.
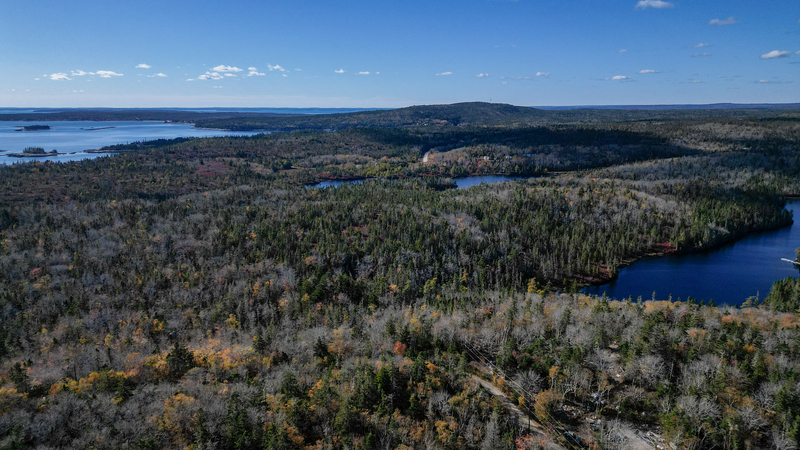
<point x="73" y="138"/>
<point x="201" y="110"/>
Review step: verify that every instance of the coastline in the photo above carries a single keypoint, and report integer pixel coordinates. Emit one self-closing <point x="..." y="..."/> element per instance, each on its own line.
<point x="33" y="155"/>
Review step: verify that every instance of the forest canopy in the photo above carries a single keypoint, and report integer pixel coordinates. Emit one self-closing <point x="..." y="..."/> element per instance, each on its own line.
<point x="196" y="293"/>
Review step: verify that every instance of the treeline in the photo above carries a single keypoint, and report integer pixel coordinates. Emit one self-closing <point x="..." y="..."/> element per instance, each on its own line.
<point x="785" y="295"/>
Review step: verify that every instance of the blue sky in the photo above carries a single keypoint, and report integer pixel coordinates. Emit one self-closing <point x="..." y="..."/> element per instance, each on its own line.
<point x="372" y="53"/>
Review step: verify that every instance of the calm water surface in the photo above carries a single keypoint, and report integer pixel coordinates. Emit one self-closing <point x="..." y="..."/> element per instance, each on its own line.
<point x="729" y="274"/>
<point x="75" y="137"/>
<point x="460" y="182"/>
<point x="484" y="179"/>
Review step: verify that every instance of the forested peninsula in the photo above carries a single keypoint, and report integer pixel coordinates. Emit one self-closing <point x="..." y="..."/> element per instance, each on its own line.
<point x="196" y="293"/>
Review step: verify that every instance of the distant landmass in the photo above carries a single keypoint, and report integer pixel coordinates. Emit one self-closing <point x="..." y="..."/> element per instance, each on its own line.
<point x="33" y="128"/>
<point x="668" y="107"/>
<point x="480" y="114"/>
<point x="457" y="114"/>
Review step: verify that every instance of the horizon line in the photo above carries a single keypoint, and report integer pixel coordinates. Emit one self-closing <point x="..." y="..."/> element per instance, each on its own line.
<point x="586" y="106"/>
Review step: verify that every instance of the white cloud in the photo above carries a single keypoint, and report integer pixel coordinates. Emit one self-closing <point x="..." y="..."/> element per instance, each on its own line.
<point x="210" y="76"/>
<point x="224" y="68"/>
<point x="59" y="76"/>
<point x="142" y="66"/>
<point x="339" y="71"/>
<point x="276" y="67"/>
<point x="542" y="74"/>
<point x="696" y="55"/>
<point x="254" y="72"/>
<point x="619" y="78"/>
<point x="648" y="71"/>
<point x="443" y="74"/>
<point x="363" y="73"/>
<point x="299" y="70"/>
<point x="80" y="73"/>
<point x="482" y="75"/>
<point x="720" y="22"/>
<point x="776" y="54"/>
<point x="622" y="50"/>
<point x="107" y="74"/>
<point x="515" y="78"/>
<point x="230" y="75"/>
<point x="190" y="79"/>
<point x="77" y="90"/>
<point x="217" y="87"/>
<point x="700" y="45"/>
<point x="656" y="4"/>
<point x="160" y="75"/>
<point x="285" y="76"/>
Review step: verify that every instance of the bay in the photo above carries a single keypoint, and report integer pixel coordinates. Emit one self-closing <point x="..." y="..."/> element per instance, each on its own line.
<point x="74" y="137"/>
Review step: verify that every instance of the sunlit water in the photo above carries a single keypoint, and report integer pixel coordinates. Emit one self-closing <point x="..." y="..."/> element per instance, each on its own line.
<point x="73" y="138"/>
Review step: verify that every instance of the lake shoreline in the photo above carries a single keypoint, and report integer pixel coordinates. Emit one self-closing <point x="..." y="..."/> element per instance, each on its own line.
<point x="730" y="271"/>
<point x="677" y="252"/>
<point x="354" y="178"/>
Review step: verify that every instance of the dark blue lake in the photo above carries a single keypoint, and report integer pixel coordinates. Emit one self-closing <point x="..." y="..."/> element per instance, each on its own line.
<point x="73" y="138"/>
<point x="729" y="274"/>
<point x="484" y="179"/>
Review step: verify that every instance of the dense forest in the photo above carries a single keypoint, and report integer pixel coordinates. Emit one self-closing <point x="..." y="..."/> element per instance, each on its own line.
<point x="196" y="293"/>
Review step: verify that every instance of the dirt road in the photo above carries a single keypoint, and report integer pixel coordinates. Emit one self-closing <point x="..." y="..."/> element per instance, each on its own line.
<point x="522" y="418"/>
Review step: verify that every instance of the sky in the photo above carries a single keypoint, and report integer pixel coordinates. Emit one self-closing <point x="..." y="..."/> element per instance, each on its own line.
<point x="374" y="53"/>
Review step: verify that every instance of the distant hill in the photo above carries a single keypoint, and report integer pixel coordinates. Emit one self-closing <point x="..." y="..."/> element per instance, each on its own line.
<point x="457" y="115"/>
<point x="493" y="114"/>
<point x="474" y="113"/>
<point x="677" y="107"/>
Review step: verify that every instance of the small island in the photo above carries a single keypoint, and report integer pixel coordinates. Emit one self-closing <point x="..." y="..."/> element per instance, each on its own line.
<point x="97" y="128"/>
<point x="33" y="128"/>
<point x="33" y="152"/>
